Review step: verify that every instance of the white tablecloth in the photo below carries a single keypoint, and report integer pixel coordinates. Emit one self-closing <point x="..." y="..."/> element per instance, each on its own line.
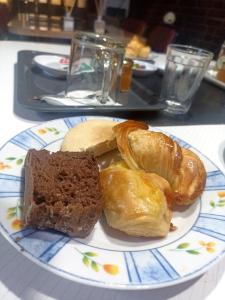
<point x="21" y="278"/>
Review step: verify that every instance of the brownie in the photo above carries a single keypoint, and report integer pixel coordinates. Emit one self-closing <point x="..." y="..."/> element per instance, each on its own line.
<point x="62" y="192"/>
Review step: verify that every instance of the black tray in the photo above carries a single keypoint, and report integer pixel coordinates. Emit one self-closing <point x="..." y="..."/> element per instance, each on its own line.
<point x="33" y="81"/>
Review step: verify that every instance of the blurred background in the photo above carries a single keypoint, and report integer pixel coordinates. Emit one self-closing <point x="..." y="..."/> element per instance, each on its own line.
<point x="199" y="23"/>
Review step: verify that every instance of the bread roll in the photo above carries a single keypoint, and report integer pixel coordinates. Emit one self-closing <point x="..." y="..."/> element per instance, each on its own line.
<point x="94" y="135"/>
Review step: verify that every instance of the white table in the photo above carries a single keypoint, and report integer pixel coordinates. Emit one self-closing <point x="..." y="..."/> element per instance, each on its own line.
<point x="21" y="278"/>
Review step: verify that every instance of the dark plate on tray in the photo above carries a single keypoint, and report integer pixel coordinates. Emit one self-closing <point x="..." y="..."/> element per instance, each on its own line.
<point x="34" y="81"/>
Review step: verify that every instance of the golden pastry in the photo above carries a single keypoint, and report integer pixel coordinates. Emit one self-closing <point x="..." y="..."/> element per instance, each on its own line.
<point x="123" y="145"/>
<point x="165" y="187"/>
<point x="144" y="52"/>
<point x="137" y="48"/>
<point x="191" y="180"/>
<point x="134" y="203"/>
<point x="155" y="152"/>
<point x="131" y="52"/>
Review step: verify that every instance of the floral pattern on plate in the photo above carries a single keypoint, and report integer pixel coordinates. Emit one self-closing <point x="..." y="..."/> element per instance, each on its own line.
<point x="89" y="261"/>
<point x="188" y="248"/>
<point x="14" y="215"/>
<point x="104" y="258"/>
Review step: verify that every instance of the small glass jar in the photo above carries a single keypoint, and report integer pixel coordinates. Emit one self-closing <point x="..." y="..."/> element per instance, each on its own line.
<point x="221" y="64"/>
<point x="99" y="26"/>
<point x="126" y="76"/>
<point x="68" y="23"/>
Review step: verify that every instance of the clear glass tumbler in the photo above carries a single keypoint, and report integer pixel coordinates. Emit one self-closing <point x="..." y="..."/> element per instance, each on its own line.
<point x="95" y="67"/>
<point x="184" y="71"/>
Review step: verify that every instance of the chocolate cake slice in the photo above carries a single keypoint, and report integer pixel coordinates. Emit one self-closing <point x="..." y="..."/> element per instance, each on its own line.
<point x="62" y="192"/>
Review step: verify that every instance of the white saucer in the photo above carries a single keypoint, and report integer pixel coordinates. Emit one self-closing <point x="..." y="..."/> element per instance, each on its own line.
<point x="54" y="65"/>
<point x="143" y="68"/>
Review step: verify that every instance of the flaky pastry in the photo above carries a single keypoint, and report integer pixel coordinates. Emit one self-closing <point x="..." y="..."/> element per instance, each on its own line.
<point x="135" y="202"/>
<point x="191" y="180"/>
<point x="137" y="48"/>
<point x="144" y="52"/>
<point x="155" y="152"/>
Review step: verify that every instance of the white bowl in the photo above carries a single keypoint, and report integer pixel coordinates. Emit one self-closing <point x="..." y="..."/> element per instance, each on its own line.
<point x="143" y="68"/>
<point x="54" y="65"/>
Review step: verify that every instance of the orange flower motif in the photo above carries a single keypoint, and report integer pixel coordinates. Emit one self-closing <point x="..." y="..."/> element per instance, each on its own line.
<point x="42" y="131"/>
<point x="221" y="194"/>
<point x="210" y="249"/>
<point x="17" y="224"/>
<point x="4" y="166"/>
<point x="210" y="246"/>
<point x="111" y="269"/>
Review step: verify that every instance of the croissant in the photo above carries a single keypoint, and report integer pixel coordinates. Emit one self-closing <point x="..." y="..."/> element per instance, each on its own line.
<point x="135" y="202"/>
<point x="157" y="153"/>
<point x="191" y="180"/>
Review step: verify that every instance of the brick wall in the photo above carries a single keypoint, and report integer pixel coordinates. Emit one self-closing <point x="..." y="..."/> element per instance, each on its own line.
<point x="200" y="23"/>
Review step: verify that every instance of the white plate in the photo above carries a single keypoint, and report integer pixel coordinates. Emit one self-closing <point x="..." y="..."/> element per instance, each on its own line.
<point x="152" y="56"/>
<point x="54" y="65"/>
<point x="143" y="68"/>
<point x="108" y="258"/>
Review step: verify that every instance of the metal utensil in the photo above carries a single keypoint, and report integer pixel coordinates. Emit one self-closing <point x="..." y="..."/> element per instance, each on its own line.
<point x="78" y="98"/>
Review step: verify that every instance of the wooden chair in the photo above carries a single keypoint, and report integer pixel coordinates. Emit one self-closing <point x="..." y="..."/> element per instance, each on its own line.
<point x="135" y="26"/>
<point x="4" y="18"/>
<point x="160" y="37"/>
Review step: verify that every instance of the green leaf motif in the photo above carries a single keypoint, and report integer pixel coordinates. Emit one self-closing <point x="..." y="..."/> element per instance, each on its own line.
<point x="11" y="210"/>
<point x="221" y="204"/>
<point x="94" y="266"/>
<point x="10" y="158"/>
<point x="91" y="254"/>
<point x="19" y="161"/>
<point x="86" y="261"/>
<point x="222" y="201"/>
<point x="57" y="132"/>
<point x="50" y="129"/>
<point x="11" y="215"/>
<point x="195" y="252"/>
<point x="212" y="203"/>
<point x="183" y="246"/>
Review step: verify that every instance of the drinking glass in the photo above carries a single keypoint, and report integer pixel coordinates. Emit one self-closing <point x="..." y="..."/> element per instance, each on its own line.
<point x="95" y="67"/>
<point x="185" y="68"/>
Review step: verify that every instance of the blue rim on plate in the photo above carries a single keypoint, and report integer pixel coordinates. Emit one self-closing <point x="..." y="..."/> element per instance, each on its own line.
<point x="136" y="263"/>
